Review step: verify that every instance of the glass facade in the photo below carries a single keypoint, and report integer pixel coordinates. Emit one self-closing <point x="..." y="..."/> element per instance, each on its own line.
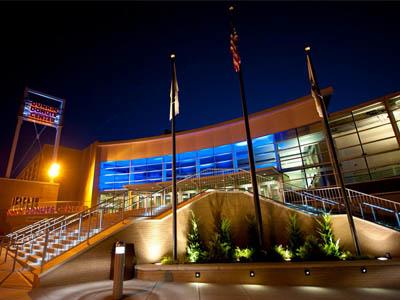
<point x="366" y="142"/>
<point x="394" y="106"/>
<point x="301" y="154"/>
<point x="116" y="174"/>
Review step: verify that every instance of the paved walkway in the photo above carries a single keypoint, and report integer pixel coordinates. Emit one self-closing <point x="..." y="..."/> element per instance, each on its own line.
<point x="13" y="286"/>
<point x="146" y="290"/>
<point x="12" y="281"/>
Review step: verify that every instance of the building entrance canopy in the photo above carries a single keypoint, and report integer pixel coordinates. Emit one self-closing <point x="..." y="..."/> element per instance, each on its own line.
<point x="269" y="181"/>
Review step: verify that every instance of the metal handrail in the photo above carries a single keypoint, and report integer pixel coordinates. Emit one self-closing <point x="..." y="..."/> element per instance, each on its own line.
<point x="119" y="203"/>
<point x="28" y="227"/>
<point x="364" y="205"/>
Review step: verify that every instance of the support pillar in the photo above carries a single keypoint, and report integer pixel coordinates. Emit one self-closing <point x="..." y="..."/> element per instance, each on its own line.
<point x="14" y="147"/>
<point x="56" y="144"/>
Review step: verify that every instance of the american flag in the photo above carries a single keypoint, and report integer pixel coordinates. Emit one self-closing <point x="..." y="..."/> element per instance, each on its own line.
<point x="234" y="50"/>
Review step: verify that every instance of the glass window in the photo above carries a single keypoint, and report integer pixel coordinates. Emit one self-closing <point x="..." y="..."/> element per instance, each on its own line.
<point x="376" y="133"/>
<point x="346" y="141"/>
<point x="311" y="138"/>
<point x="384" y="159"/>
<point x="394" y="103"/>
<point x="354" y="165"/>
<point x="342" y="125"/>
<point x="349" y="153"/>
<point x="381" y="146"/>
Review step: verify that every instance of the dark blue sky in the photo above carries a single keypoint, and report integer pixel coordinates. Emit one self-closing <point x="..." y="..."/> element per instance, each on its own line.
<point x="111" y="61"/>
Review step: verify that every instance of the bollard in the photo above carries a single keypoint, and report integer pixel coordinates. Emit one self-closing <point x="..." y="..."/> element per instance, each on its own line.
<point x="119" y="267"/>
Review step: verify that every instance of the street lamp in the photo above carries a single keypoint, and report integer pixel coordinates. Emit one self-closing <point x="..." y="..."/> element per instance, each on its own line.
<point x="54" y="171"/>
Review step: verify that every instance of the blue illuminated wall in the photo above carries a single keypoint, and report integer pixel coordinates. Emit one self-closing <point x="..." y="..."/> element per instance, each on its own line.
<point x="114" y="175"/>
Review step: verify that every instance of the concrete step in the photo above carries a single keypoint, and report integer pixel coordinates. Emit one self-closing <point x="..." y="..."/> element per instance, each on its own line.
<point x="22" y="253"/>
<point x="58" y="246"/>
<point x="34" y="258"/>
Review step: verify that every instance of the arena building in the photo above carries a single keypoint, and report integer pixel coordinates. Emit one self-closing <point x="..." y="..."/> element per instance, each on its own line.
<point x="288" y="141"/>
<point x="121" y="190"/>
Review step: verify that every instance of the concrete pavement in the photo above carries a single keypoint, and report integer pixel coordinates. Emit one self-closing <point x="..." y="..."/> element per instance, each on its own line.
<point x="148" y="290"/>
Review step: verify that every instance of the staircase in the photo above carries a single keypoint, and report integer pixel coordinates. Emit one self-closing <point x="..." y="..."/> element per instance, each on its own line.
<point x="330" y="200"/>
<point x="36" y="246"/>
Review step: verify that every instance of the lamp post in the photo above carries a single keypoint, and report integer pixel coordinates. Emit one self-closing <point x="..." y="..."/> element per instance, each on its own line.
<point x="119" y="268"/>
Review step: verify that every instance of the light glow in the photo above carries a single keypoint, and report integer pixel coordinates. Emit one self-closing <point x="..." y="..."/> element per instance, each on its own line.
<point x="383" y="258"/>
<point x="120" y="250"/>
<point x="54" y="170"/>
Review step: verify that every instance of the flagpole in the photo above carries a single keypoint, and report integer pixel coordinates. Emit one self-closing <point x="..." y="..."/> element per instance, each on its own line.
<point x="174" y="200"/>
<point x="335" y="160"/>
<point x="256" y="197"/>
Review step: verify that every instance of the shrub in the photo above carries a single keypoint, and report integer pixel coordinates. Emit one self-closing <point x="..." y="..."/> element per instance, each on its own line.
<point x="243" y="255"/>
<point x="167" y="260"/>
<point x="295" y="235"/>
<point x="195" y="249"/>
<point x="310" y="250"/>
<point x="329" y="245"/>
<point x="252" y="232"/>
<point x="220" y="245"/>
<point x="285" y="253"/>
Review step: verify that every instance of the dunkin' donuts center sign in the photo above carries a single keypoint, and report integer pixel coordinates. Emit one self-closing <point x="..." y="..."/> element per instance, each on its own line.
<point x="41" y="113"/>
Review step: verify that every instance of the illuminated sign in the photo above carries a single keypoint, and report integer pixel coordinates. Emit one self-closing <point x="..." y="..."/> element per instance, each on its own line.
<point x="45" y="210"/>
<point x="41" y="113"/>
<point x="43" y="109"/>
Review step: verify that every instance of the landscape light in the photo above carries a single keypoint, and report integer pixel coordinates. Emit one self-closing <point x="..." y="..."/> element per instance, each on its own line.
<point x="252" y="274"/>
<point x="386" y="257"/>
<point x="363" y="270"/>
<point x="307" y="272"/>
<point x="197" y="274"/>
<point x="54" y="170"/>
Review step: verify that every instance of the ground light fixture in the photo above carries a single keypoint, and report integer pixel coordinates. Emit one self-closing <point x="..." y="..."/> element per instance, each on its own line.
<point x="307" y="272"/>
<point x="363" y="270"/>
<point x="252" y="274"/>
<point x="386" y="257"/>
<point x="197" y="274"/>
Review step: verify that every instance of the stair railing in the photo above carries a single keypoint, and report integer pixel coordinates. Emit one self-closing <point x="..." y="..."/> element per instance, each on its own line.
<point x="89" y="222"/>
<point x="372" y="208"/>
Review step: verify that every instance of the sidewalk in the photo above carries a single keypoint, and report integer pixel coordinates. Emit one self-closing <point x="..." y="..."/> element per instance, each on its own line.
<point x="148" y="290"/>
<point x="13" y="285"/>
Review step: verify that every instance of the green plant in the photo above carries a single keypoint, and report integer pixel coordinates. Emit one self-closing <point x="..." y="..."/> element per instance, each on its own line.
<point x="167" y="260"/>
<point x="243" y="255"/>
<point x="310" y="250"/>
<point x="220" y="245"/>
<point x="195" y="251"/>
<point x="329" y="245"/>
<point x="284" y="252"/>
<point x="295" y="235"/>
<point x="252" y="232"/>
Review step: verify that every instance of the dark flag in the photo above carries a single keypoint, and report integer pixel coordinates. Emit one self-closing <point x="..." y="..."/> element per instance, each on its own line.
<point x="174" y="94"/>
<point x="315" y="92"/>
<point x="321" y="108"/>
<point x="234" y="50"/>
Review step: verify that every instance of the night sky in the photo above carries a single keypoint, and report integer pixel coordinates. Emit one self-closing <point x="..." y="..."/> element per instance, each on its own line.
<point x="111" y="62"/>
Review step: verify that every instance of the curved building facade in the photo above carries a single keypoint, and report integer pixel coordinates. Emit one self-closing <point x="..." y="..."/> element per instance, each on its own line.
<point x="287" y="139"/>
